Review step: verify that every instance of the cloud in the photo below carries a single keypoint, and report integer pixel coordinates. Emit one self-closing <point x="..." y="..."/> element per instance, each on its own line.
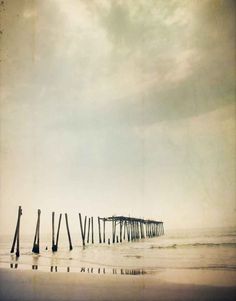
<point x="119" y="98"/>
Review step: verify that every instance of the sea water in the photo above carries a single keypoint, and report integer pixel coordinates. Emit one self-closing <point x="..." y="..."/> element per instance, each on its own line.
<point x="203" y="249"/>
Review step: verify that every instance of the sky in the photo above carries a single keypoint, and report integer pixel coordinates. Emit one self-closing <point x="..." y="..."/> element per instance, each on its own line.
<point x="118" y="108"/>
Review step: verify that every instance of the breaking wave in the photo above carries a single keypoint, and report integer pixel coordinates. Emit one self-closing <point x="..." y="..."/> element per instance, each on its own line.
<point x="191" y="245"/>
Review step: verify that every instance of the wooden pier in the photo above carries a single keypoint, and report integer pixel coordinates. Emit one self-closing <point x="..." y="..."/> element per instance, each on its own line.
<point x="130" y="228"/>
<point x="123" y="229"/>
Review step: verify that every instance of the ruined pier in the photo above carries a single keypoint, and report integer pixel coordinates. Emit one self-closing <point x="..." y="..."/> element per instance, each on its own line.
<point x="122" y="229"/>
<point x="129" y="228"/>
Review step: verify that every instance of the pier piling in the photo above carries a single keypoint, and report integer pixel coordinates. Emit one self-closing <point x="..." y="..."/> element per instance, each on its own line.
<point x="68" y="232"/>
<point x="92" y="230"/>
<point x="16" y="239"/>
<point x="99" y="231"/>
<point x="104" y="230"/>
<point x="83" y="228"/>
<point x="55" y="245"/>
<point x="88" y="230"/>
<point x="58" y="231"/>
<point x="35" y="248"/>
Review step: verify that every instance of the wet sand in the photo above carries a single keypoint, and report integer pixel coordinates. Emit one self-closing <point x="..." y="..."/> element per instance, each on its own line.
<point x="35" y="285"/>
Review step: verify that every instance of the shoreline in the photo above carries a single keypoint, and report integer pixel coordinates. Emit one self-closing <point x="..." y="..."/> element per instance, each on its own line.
<point x="32" y="285"/>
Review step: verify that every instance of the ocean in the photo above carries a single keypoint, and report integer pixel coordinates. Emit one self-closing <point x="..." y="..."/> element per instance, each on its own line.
<point x="192" y="249"/>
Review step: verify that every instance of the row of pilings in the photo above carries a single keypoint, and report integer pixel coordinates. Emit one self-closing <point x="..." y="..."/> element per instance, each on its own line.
<point x="129" y="228"/>
<point x="123" y="229"/>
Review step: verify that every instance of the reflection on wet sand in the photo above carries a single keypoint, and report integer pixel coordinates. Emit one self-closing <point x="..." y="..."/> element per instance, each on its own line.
<point x="34" y="267"/>
<point x="35" y="260"/>
<point x="14" y="262"/>
<point x="13" y="266"/>
<point x="114" y="271"/>
<point x="98" y="270"/>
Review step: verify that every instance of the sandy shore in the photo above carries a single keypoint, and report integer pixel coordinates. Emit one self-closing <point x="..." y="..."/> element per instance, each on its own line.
<point x="35" y="285"/>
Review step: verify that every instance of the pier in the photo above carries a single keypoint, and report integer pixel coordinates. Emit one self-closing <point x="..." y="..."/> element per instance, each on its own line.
<point x="129" y="228"/>
<point x="123" y="229"/>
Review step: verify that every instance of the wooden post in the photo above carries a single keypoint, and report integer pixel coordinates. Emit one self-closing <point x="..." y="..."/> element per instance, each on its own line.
<point x="124" y="229"/>
<point x="99" y="230"/>
<point x="92" y="229"/>
<point x="114" y="231"/>
<point x="68" y="232"/>
<point x="53" y="232"/>
<point x="128" y="230"/>
<point x="17" y="234"/>
<point x="18" y="237"/>
<point x="104" y="230"/>
<point x="83" y="229"/>
<point x="141" y="229"/>
<point x="136" y="230"/>
<point x="88" y="230"/>
<point x="58" y="231"/>
<point x="113" y="237"/>
<point x="121" y="224"/>
<point x="39" y="213"/>
<point x="132" y="230"/>
<point x="146" y="229"/>
<point x="35" y="248"/>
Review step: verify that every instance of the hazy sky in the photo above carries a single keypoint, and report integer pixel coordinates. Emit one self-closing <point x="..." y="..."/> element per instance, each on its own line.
<point x="118" y="107"/>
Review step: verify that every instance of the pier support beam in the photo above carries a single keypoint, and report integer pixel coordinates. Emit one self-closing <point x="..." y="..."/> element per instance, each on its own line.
<point x="99" y="231"/>
<point x="68" y="232"/>
<point x="35" y="248"/>
<point x="104" y="230"/>
<point x="121" y="226"/>
<point x="83" y="228"/>
<point x="55" y="245"/>
<point x="92" y="230"/>
<point x="16" y="239"/>
<point x="88" y="230"/>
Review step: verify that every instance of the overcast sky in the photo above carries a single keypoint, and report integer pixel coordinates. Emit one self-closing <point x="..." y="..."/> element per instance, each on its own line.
<point x="118" y="107"/>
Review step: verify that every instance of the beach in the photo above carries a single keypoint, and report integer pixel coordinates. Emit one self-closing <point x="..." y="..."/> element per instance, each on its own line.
<point x="35" y="285"/>
<point x="181" y="265"/>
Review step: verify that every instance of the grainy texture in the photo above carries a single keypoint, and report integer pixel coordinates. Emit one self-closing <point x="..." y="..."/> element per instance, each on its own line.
<point x="37" y="286"/>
